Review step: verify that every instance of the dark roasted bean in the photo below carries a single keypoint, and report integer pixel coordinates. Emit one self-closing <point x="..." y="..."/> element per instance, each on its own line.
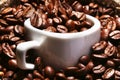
<point x="108" y="73"/>
<point x="51" y="29"/>
<point x="48" y="72"/>
<point x="99" y="47"/>
<point x="98" y="69"/>
<point x="6" y="10"/>
<point x="84" y="59"/>
<point x="60" y="76"/>
<point x="7" y="50"/>
<point x="62" y="29"/>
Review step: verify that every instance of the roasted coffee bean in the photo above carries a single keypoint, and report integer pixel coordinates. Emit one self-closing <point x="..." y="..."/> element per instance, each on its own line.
<point x="62" y="29"/>
<point x="117" y="19"/>
<point x="7" y="50"/>
<point x="57" y="20"/>
<point x="60" y="76"/>
<point x="88" y="77"/>
<point x="89" y="66"/>
<point x="36" y="19"/>
<point x="110" y="63"/>
<point x="110" y="50"/>
<point x="50" y="21"/>
<point x="64" y="18"/>
<point x="69" y="71"/>
<point x="77" y="6"/>
<point x="37" y="74"/>
<point x="13" y="63"/>
<point x="115" y="36"/>
<point x="49" y="72"/>
<point x="19" y="30"/>
<point x="8" y="74"/>
<point x="6" y="10"/>
<point x="80" y="65"/>
<point x="1" y="74"/>
<point x="116" y="61"/>
<point x="3" y="22"/>
<point x="99" y="47"/>
<point x="93" y="5"/>
<point x="100" y="57"/>
<point x="83" y="29"/>
<point x="111" y="25"/>
<point x="70" y="24"/>
<point x="51" y="29"/>
<point x="84" y="59"/>
<point x="117" y="74"/>
<point x="70" y="78"/>
<point x="108" y="73"/>
<point x="105" y="34"/>
<point x="98" y="69"/>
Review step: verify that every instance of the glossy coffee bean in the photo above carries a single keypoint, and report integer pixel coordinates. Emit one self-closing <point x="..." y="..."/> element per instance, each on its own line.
<point x="48" y="72"/>
<point x="60" y="76"/>
<point x="98" y="69"/>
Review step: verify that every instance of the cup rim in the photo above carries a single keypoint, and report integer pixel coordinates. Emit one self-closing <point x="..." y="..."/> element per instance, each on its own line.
<point x="93" y="29"/>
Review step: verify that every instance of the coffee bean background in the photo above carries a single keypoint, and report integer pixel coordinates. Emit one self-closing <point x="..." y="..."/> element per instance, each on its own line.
<point x="103" y="63"/>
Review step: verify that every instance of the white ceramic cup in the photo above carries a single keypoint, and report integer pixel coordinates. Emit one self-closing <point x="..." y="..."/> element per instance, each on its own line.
<point x="58" y="50"/>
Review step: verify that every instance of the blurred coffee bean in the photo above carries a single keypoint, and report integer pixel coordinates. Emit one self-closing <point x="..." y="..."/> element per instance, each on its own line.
<point x="51" y="29"/>
<point x="98" y="69"/>
<point x="99" y="47"/>
<point x="69" y="71"/>
<point x="84" y="59"/>
<point x="37" y="74"/>
<point x="8" y="74"/>
<point x="110" y="63"/>
<point x="13" y="63"/>
<point x="108" y="73"/>
<point x="88" y="77"/>
<point x="77" y="6"/>
<point x="80" y="65"/>
<point x="62" y="29"/>
<point x="89" y="66"/>
<point x="70" y="24"/>
<point x="7" y="50"/>
<point x="1" y="74"/>
<point x="57" y="20"/>
<point x="19" y="30"/>
<point x="49" y="72"/>
<point x="6" y="10"/>
<point x="117" y="19"/>
<point x="105" y="34"/>
<point x="60" y="76"/>
<point x="70" y="78"/>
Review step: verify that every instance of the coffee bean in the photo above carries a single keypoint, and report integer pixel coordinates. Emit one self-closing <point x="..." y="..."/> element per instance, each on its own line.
<point x="8" y="74"/>
<point x="13" y="63"/>
<point x="60" y="76"/>
<point x="115" y="36"/>
<point x="117" y="19"/>
<point x="62" y="29"/>
<point x="1" y="74"/>
<point x="70" y="25"/>
<point x="99" y="47"/>
<point x="37" y="74"/>
<point x="80" y="65"/>
<point x="69" y="71"/>
<point x="6" y="10"/>
<point x="105" y="34"/>
<point x="110" y="63"/>
<point x="108" y="73"/>
<point x="36" y="19"/>
<point x="89" y="66"/>
<point x="84" y="59"/>
<point x="19" y="30"/>
<point x="48" y="72"/>
<point x="51" y="29"/>
<point x="98" y="69"/>
<point x="7" y="50"/>
<point x="71" y="78"/>
<point x="77" y="6"/>
<point x="57" y="20"/>
<point x="88" y="77"/>
<point x="110" y="50"/>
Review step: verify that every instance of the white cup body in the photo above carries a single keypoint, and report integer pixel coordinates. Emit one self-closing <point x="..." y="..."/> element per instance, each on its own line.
<point x="61" y="50"/>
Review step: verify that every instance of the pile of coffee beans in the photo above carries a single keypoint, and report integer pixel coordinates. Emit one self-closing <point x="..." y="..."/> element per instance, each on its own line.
<point x="58" y="16"/>
<point x="103" y="63"/>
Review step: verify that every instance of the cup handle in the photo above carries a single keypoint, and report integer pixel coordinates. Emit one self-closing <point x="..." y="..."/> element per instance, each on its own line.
<point x="21" y="50"/>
